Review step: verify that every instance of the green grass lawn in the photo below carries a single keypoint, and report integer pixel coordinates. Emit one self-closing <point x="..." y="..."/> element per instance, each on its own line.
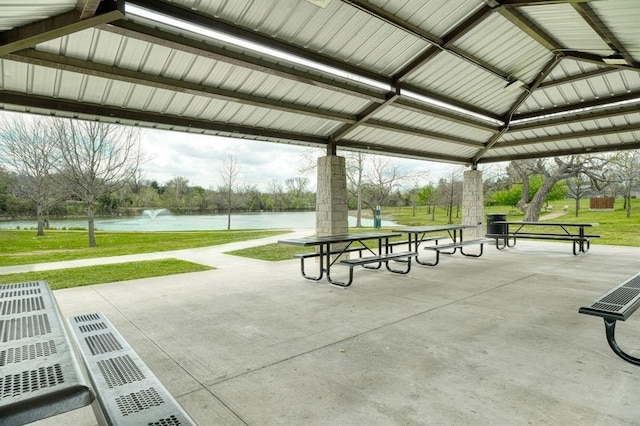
<point x="19" y="247"/>
<point x="75" y="277"/>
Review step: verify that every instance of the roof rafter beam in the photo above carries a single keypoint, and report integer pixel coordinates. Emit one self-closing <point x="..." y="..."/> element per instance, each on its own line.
<point x="529" y="28"/>
<point x="365" y="147"/>
<point x="423" y="133"/>
<point x="496" y="3"/>
<point x="577" y="77"/>
<point x="87" y="8"/>
<point x="390" y="18"/>
<point x="55" y="27"/>
<point x="362" y="118"/>
<point x="595" y="59"/>
<point x="170" y="84"/>
<point x="149" y="119"/>
<point x="574" y="118"/>
<point x="572" y="135"/>
<point x="564" y="152"/>
<point x="594" y="21"/>
<point x="578" y="107"/>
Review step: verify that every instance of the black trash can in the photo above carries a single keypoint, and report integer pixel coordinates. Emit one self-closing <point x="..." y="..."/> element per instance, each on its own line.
<point x="496" y="228"/>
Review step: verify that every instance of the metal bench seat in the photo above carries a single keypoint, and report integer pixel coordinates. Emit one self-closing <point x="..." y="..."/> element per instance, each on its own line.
<point x="128" y="393"/>
<point x="619" y="303"/>
<point x="40" y="375"/>
<point x="457" y="245"/>
<point x="379" y="259"/>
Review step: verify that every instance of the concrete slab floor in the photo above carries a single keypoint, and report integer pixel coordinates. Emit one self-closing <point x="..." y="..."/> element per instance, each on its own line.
<point x="495" y="340"/>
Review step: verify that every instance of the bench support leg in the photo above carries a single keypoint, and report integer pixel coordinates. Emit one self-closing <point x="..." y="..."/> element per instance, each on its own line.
<point x="610" y="328"/>
<point x="400" y="271"/>
<point x="472" y="255"/>
<point x="321" y="271"/>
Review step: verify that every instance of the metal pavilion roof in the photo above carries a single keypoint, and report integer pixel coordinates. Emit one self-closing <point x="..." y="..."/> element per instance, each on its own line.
<point x="462" y="81"/>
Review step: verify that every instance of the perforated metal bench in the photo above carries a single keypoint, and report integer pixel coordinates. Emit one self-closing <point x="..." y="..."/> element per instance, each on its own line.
<point x="128" y="393"/>
<point x="619" y="303"/>
<point x="40" y="374"/>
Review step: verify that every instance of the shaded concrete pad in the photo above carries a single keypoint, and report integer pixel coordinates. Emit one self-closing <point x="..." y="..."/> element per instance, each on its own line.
<point x="492" y="340"/>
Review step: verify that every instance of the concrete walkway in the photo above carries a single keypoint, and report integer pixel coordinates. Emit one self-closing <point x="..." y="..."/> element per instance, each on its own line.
<point x="495" y="340"/>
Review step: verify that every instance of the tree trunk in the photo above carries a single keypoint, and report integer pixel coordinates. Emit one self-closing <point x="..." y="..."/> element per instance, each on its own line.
<point x="577" y="205"/>
<point x="628" y="197"/>
<point x="359" y="208"/>
<point x="92" y="231"/>
<point x="40" y="219"/>
<point x="532" y="212"/>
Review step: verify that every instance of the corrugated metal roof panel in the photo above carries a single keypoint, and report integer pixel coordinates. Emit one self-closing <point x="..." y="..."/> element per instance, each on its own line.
<point x="584" y="143"/>
<point x="503" y="45"/>
<point x="329" y="31"/>
<point x="616" y="123"/>
<point x="598" y="87"/>
<point x="111" y="49"/>
<point x="564" y="24"/>
<point x="453" y="77"/>
<point x="392" y="114"/>
<point x="568" y="67"/>
<point x="18" y="13"/>
<point x="622" y="17"/>
<point x="435" y="16"/>
<point x="404" y="141"/>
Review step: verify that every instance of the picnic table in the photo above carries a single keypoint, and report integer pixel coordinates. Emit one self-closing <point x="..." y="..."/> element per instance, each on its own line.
<point x="417" y="235"/>
<point x="332" y="247"/>
<point x="567" y="231"/>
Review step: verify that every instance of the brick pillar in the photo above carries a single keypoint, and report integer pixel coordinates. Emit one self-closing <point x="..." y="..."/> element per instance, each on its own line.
<point x="473" y="204"/>
<point x="331" y="199"/>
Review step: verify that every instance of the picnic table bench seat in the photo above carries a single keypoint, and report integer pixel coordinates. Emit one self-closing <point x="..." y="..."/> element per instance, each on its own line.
<point x="619" y="303"/>
<point x="379" y="259"/>
<point x="575" y="239"/>
<point x="458" y="245"/>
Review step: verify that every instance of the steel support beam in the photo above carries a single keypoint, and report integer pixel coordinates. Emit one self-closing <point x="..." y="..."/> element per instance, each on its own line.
<point x="54" y="27"/>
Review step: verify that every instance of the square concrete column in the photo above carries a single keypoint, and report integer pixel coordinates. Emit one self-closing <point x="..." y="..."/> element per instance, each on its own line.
<point x="331" y="199"/>
<point x="473" y="204"/>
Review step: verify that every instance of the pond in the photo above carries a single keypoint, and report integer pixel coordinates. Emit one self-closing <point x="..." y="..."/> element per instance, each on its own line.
<point x="169" y="222"/>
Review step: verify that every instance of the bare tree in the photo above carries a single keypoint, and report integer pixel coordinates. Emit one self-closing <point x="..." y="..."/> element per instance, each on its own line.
<point x="624" y="167"/>
<point x="449" y="192"/>
<point x="229" y="175"/>
<point x="579" y="187"/>
<point x="380" y="180"/>
<point x="29" y="150"/>
<point x="96" y="158"/>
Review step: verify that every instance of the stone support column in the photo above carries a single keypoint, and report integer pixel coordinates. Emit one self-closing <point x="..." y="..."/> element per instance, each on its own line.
<point x="331" y="198"/>
<point x="473" y="204"/>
